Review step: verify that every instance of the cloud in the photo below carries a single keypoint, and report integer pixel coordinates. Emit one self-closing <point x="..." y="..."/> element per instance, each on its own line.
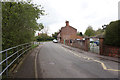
<point x="80" y="13"/>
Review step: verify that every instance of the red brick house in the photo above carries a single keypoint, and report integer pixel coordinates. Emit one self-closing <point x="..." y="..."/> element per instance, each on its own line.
<point x="67" y="33"/>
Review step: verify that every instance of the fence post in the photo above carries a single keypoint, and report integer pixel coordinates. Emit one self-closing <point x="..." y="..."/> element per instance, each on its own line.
<point x="22" y="50"/>
<point x="6" y="65"/>
<point x="101" y="45"/>
<point x="87" y="43"/>
<point x="17" y="55"/>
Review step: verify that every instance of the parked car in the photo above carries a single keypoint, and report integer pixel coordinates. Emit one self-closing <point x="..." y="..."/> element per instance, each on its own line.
<point x="55" y="41"/>
<point x="97" y="43"/>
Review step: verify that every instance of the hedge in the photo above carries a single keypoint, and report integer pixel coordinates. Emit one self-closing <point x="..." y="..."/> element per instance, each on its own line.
<point x="112" y="34"/>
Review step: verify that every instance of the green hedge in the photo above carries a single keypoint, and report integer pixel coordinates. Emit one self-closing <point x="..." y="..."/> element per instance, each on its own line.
<point x="112" y="34"/>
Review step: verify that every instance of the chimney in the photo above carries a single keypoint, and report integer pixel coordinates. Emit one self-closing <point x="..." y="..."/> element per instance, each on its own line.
<point x="67" y="23"/>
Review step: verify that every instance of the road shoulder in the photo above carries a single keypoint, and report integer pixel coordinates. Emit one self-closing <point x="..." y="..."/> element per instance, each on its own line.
<point x="26" y="68"/>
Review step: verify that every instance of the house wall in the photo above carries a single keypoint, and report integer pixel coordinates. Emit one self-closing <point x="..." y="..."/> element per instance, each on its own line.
<point x="68" y="33"/>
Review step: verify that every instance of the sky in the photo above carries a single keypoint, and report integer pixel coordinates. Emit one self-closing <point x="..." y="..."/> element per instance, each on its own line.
<point x="79" y="13"/>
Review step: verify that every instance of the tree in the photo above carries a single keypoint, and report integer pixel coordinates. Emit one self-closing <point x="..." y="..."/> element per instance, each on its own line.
<point x="112" y="34"/>
<point x="43" y="37"/>
<point x="19" y="22"/>
<point x="104" y="26"/>
<point x="55" y="35"/>
<point x="99" y="31"/>
<point x="89" y="31"/>
<point x="45" y="30"/>
<point x="41" y="26"/>
<point x="79" y="34"/>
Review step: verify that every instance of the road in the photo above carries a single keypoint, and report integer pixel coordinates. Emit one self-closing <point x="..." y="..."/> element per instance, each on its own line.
<point x="55" y="61"/>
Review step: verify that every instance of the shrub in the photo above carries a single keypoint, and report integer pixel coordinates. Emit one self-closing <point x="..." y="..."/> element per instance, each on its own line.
<point x="112" y="34"/>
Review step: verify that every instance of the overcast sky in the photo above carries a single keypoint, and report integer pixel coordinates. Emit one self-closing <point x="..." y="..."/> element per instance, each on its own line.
<point x="79" y="13"/>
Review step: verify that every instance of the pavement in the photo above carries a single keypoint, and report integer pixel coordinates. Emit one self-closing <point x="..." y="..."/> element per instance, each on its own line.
<point x="115" y="59"/>
<point x="54" y="60"/>
<point x="26" y="68"/>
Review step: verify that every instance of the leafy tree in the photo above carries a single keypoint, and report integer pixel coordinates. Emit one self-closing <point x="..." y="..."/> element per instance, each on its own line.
<point x="45" y="30"/>
<point x="55" y="35"/>
<point x="104" y="26"/>
<point x="89" y="31"/>
<point x="79" y="34"/>
<point x="41" y="26"/>
<point x="19" y="22"/>
<point x="112" y="35"/>
<point x="99" y="31"/>
<point x="43" y="37"/>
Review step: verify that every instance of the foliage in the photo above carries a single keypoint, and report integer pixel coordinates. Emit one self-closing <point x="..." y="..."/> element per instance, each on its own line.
<point x="100" y="32"/>
<point x="112" y="35"/>
<point x="89" y="31"/>
<point x="19" y="22"/>
<point x="43" y="37"/>
<point x="79" y="34"/>
<point x="104" y="26"/>
<point x="55" y="35"/>
<point x="41" y="26"/>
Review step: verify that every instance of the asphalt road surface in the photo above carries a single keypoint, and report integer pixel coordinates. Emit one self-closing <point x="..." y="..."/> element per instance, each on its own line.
<point x="55" y="61"/>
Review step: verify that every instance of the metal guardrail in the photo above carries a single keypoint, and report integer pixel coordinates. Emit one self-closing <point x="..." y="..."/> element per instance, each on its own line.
<point x="19" y="52"/>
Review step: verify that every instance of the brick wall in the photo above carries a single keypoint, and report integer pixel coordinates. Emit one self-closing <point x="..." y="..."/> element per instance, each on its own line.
<point x="104" y="49"/>
<point x="81" y="44"/>
<point x="111" y="51"/>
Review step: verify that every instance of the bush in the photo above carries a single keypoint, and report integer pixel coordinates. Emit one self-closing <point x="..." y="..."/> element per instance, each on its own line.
<point x="43" y="37"/>
<point x="112" y="35"/>
<point x="19" y="23"/>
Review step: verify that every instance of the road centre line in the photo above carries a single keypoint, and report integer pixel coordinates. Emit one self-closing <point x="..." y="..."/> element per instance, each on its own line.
<point x="102" y="64"/>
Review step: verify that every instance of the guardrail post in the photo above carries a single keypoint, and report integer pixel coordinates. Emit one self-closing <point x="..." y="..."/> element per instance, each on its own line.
<point x="17" y="55"/>
<point x="22" y="50"/>
<point x="26" y="46"/>
<point x="6" y="65"/>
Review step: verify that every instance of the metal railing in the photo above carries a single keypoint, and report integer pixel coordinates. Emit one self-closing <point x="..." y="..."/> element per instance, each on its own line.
<point x="13" y="54"/>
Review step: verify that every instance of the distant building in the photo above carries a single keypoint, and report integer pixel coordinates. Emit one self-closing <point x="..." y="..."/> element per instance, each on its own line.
<point x="38" y="34"/>
<point x="67" y="33"/>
